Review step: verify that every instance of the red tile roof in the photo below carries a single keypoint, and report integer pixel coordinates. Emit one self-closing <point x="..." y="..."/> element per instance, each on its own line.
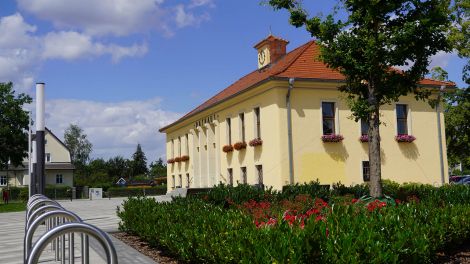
<point x="299" y="63"/>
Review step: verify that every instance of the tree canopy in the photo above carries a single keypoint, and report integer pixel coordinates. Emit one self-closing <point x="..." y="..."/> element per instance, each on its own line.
<point x="376" y="37"/>
<point x="79" y="145"/>
<point x="14" y="121"/>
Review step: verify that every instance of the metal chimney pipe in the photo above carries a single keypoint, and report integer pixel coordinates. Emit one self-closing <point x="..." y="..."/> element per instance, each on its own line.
<point x="40" y="136"/>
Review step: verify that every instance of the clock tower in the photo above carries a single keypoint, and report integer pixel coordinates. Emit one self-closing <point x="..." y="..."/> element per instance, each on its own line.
<point x="270" y="50"/>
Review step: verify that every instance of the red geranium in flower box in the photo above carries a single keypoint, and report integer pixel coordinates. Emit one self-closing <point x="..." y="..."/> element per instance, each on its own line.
<point x="170" y="161"/>
<point x="227" y="148"/>
<point x="185" y="158"/>
<point x="239" y="145"/>
<point x="364" y="138"/>
<point x="178" y="159"/>
<point x="256" y="142"/>
<point x="405" y="138"/>
<point x="332" y="138"/>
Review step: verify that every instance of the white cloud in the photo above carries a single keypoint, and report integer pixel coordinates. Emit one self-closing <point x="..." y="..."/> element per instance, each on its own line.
<point x="116" y="17"/>
<point x="113" y="128"/>
<point x="199" y="3"/>
<point x="22" y="50"/>
<point x="184" y="18"/>
<point x="70" y="45"/>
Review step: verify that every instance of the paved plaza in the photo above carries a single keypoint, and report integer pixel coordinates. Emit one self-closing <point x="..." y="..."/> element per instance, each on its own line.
<point x="101" y="213"/>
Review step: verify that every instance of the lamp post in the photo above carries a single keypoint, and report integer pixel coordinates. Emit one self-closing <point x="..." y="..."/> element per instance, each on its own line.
<point x="40" y="143"/>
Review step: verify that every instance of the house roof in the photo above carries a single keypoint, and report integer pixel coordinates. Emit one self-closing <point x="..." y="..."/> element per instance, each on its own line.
<point x="299" y="63"/>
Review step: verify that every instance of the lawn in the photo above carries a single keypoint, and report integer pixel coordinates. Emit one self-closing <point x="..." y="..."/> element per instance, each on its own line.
<point x="15" y="206"/>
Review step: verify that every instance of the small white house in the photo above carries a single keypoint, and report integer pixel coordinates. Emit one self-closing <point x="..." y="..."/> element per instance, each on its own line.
<point x="59" y="167"/>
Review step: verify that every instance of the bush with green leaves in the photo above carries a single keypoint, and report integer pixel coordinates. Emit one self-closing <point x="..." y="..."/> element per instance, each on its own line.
<point x="136" y="191"/>
<point x="200" y="232"/>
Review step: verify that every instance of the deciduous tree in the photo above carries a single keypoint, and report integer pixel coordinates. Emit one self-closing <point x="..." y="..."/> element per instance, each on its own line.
<point x="79" y="145"/>
<point x="14" y="122"/>
<point x="376" y="36"/>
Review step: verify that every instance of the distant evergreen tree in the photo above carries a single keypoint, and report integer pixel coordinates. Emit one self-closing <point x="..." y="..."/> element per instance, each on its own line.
<point x="139" y="162"/>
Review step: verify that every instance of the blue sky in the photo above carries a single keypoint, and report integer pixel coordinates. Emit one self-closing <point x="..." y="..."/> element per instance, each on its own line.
<point x="122" y="68"/>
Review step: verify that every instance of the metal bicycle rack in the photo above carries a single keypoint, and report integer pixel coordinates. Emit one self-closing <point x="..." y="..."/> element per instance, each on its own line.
<point x="61" y="226"/>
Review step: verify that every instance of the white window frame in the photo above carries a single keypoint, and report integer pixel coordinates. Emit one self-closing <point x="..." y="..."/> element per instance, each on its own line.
<point x="360" y="127"/>
<point x="3" y="178"/>
<point x="172" y="149"/>
<point x="188" y="183"/>
<point x="48" y="158"/>
<point x="408" y="117"/>
<point x="337" y="127"/>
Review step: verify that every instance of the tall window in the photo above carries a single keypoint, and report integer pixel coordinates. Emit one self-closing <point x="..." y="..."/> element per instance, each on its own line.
<point x="243" y="175"/>
<point x="229" y="131"/>
<point x="257" y="122"/>
<point x="172" y="148"/>
<point x="187" y="144"/>
<point x="173" y="181"/>
<point x="3" y="180"/>
<point x="366" y="171"/>
<point x="48" y="157"/>
<point x="364" y="127"/>
<point x="230" y="176"/>
<point x="179" y="146"/>
<point x="259" y="170"/>
<point x="328" y="114"/>
<point x="180" y="181"/>
<point x="242" y="126"/>
<point x="187" y="180"/>
<point x="59" y="179"/>
<point x="402" y="119"/>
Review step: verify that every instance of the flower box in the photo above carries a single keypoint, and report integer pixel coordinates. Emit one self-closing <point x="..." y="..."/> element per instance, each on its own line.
<point x="405" y="138"/>
<point x="185" y="158"/>
<point x="178" y="159"/>
<point x="239" y="145"/>
<point x="170" y="161"/>
<point x="227" y="148"/>
<point x="332" y="138"/>
<point x="256" y="142"/>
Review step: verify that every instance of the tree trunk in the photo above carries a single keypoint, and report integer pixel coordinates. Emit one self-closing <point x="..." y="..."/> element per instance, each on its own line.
<point x="375" y="184"/>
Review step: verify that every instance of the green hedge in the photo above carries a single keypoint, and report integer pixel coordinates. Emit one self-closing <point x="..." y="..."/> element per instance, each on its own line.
<point x="128" y="192"/>
<point x="447" y="194"/>
<point x="200" y="232"/>
<point x="53" y="192"/>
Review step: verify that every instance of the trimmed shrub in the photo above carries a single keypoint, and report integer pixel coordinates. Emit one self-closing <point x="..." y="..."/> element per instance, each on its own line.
<point x="199" y="232"/>
<point x="136" y="191"/>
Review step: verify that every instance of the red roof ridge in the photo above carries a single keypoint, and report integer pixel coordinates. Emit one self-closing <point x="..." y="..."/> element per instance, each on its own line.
<point x="304" y="47"/>
<point x="287" y="66"/>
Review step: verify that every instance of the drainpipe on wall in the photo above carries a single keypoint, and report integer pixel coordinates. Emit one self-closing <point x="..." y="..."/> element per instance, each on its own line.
<point x="439" y="136"/>
<point x="289" y="130"/>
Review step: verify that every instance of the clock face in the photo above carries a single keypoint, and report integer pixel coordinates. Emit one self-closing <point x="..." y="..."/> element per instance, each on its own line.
<point x="261" y="57"/>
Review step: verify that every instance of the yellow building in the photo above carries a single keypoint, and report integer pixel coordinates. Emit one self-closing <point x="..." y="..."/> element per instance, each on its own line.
<point x="241" y="135"/>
